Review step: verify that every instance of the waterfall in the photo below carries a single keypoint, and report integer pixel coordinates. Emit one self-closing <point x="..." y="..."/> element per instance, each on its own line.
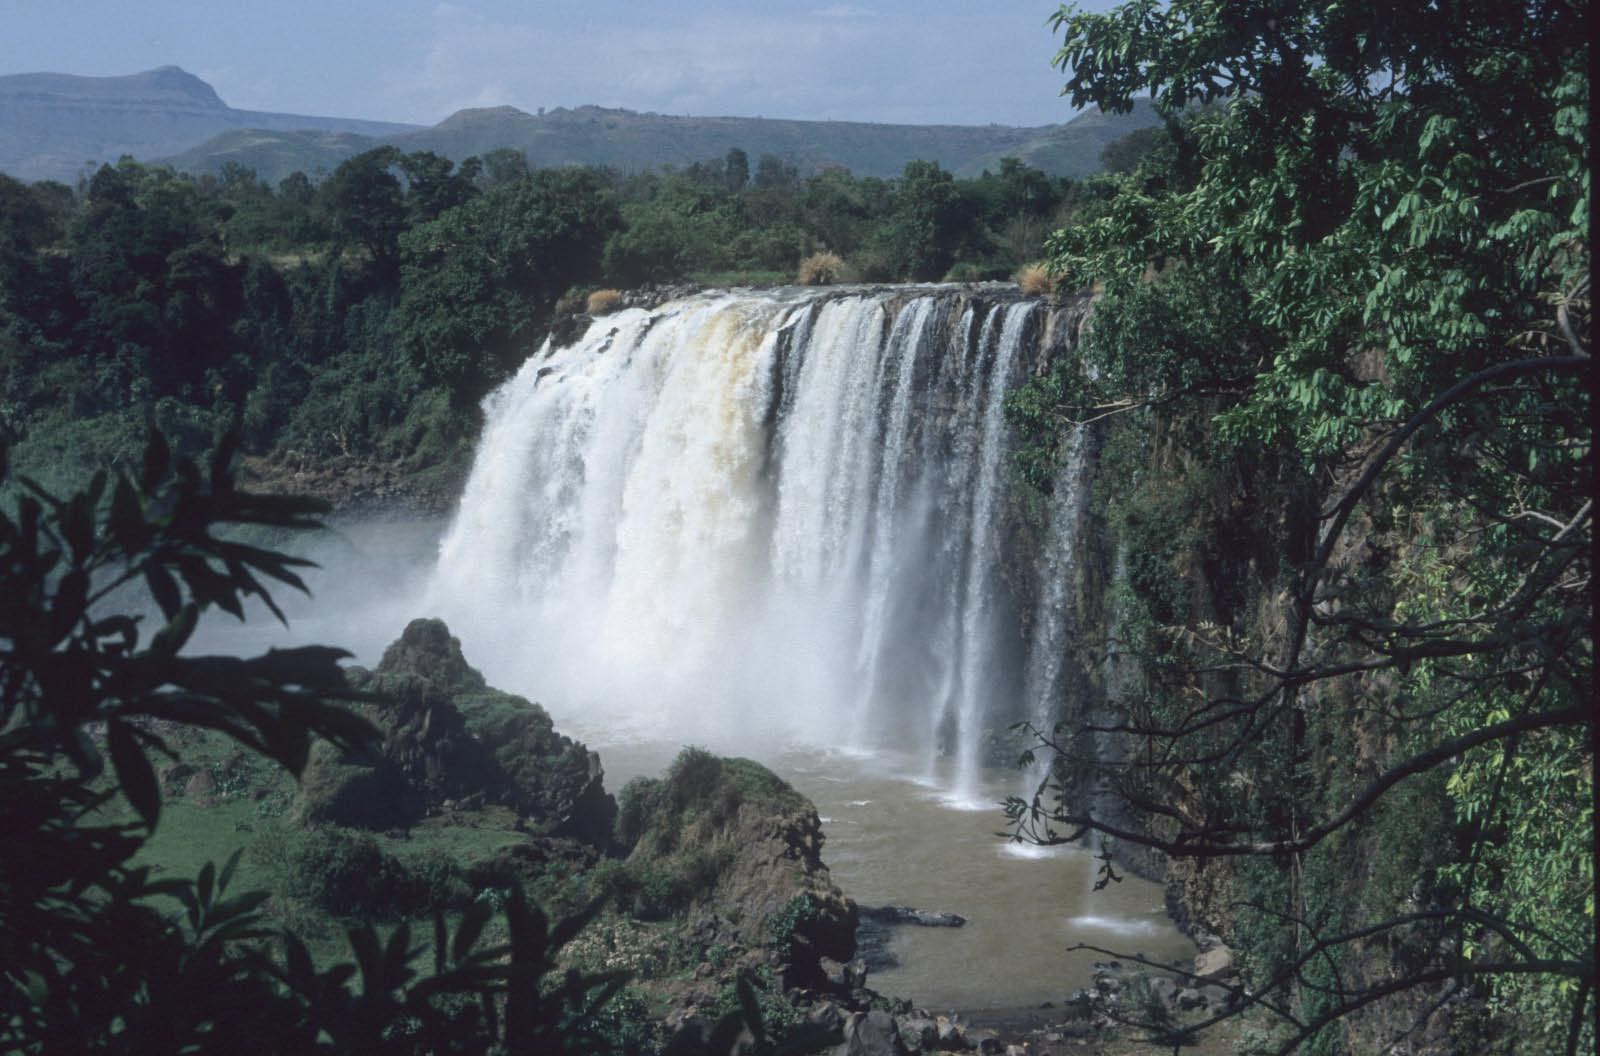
<point x="779" y="515"/>
<point x="1055" y="607"/>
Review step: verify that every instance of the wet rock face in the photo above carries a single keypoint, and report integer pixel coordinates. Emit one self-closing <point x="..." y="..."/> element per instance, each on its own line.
<point x="448" y="739"/>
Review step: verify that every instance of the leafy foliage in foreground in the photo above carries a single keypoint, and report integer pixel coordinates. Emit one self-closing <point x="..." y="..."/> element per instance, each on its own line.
<point x="96" y="955"/>
<point x="1347" y="302"/>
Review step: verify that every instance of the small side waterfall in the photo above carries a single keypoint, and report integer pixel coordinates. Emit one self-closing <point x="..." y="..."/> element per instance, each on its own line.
<point x="784" y="514"/>
<point x="1056" y="608"/>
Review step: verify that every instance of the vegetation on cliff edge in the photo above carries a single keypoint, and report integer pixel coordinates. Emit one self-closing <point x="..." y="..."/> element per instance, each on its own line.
<point x="1347" y="301"/>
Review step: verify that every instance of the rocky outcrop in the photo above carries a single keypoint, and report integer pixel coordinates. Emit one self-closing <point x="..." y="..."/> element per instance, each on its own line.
<point x="926" y="918"/>
<point x="448" y="740"/>
<point x="358" y="484"/>
<point x="746" y="849"/>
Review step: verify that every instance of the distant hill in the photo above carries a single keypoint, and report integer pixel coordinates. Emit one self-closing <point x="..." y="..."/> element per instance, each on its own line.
<point x="1072" y="149"/>
<point x="51" y="124"/>
<point x="633" y="141"/>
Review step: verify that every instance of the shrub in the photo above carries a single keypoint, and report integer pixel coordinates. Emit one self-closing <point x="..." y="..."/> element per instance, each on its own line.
<point x="964" y="271"/>
<point x="874" y="264"/>
<point x="637" y="805"/>
<point x="572" y="302"/>
<point x="341" y="872"/>
<point x="820" y="269"/>
<point x="798" y="913"/>
<point x="626" y="1026"/>
<point x="692" y="776"/>
<point x="600" y="302"/>
<point x="435" y="882"/>
<point x="1036" y="280"/>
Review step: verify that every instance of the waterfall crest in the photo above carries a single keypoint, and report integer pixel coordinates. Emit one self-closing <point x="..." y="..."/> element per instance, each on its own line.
<point x="782" y="515"/>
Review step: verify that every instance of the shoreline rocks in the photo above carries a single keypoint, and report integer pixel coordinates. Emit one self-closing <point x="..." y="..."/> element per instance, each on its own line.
<point x="911" y="915"/>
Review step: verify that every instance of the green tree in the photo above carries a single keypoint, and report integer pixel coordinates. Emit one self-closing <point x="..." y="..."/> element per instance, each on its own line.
<point x="479" y="282"/>
<point x="502" y="165"/>
<point x="772" y="172"/>
<point x="1365" y="270"/>
<point x="96" y="955"/>
<point x="736" y="169"/>
<point x="1122" y="155"/>
<point x="365" y="205"/>
<point x="433" y="186"/>
<point x="927" y="223"/>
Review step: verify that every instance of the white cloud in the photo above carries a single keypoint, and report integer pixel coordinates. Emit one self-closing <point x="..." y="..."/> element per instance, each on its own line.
<point x="839" y="62"/>
<point x="842" y="11"/>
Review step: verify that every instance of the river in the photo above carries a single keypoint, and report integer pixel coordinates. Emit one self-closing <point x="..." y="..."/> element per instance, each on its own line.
<point x="894" y="835"/>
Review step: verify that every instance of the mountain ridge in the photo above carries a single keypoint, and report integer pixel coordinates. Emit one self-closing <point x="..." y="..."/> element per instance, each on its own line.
<point x="52" y="125"/>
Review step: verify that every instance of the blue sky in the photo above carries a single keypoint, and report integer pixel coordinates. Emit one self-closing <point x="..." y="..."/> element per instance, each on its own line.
<point x="934" y="61"/>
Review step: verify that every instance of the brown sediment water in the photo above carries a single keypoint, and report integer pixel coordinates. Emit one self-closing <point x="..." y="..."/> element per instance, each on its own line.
<point x="893" y="839"/>
<point x="894" y="834"/>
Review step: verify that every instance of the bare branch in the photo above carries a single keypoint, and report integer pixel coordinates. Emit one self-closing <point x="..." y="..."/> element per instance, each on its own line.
<point x="1185" y="846"/>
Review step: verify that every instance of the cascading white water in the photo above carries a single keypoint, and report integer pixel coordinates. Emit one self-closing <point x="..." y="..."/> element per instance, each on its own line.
<point x="1055" y="606"/>
<point x="772" y="514"/>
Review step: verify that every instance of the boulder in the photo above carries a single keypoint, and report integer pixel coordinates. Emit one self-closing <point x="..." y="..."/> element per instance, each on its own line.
<point x="952" y="1036"/>
<point x="1164" y="988"/>
<point x="985" y="1042"/>
<point x="1215" y="963"/>
<point x="175" y="777"/>
<point x="870" y="1034"/>
<point x="201" y="786"/>
<point x="842" y="978"/>
<point x="919" y="1034"/>
<point x="911" y="915"/>
<point x="828" y="1017"/>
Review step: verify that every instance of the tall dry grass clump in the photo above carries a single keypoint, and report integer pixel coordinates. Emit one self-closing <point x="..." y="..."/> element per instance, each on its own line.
<point x="820" y="269"/>
<point x="602" y="301"/>
<point x="1035" y="280"/>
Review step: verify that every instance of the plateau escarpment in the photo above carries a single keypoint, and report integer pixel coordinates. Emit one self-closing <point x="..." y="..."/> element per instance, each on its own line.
<point x="54" y="124"/>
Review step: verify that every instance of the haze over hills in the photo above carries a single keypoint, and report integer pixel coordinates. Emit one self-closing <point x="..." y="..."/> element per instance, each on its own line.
<point x="51" y="124"/>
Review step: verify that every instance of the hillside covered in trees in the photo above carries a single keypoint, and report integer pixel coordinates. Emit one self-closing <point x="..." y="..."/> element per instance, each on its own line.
<point x="1341" y="368"/>
<point x="365" y="316"/>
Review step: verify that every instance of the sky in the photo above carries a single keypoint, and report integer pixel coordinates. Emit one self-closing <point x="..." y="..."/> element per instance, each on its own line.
<point x="928" y="62"/>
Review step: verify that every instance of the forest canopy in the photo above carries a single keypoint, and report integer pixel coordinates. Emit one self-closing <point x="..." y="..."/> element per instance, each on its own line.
<point x="1346" y="313"/>
<point x="365" y="314"/>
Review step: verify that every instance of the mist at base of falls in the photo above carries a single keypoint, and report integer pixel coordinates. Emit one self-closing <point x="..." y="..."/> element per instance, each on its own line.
<point x="780" y="525"/>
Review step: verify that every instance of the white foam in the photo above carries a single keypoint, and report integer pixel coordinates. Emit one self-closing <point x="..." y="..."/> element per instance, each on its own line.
<point x="1115" y="925"/>
<point x="1033" y="851"/>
